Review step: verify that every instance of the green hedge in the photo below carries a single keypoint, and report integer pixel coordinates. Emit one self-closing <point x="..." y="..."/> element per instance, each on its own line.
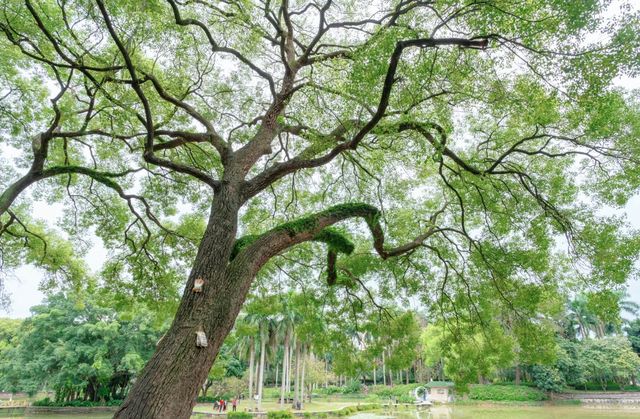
<point x="350" y="410"/>
<point x="47" y="402"/>
<point x="279" y="414"/>
<point x="395" y="391"/>
<point x="495" y="392"/>
<point x="611" y="386"/>
<point x="239" y="415"/>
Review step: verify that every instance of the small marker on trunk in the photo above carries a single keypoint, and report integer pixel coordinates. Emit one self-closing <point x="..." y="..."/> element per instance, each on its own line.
<point x="197" y="285"/>
<point x="201" y="339"/>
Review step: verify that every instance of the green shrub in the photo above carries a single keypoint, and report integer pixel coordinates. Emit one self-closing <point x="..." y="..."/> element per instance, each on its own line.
<point x="406" y="399"/>
<point x="496" y="392"/>
<point x="351" y="388"/>
<point x="47" y="402"/>
<point x="395" y="391"/>
<point x="279" y="414"/>
<point x="330" y="390"/>
<point x="239" y="415"/>
<point x="271" y="393"/>
<point x="548" y="378"/>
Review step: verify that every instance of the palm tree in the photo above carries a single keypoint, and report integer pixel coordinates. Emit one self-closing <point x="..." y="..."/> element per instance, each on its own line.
<point x="246" y="345"/>
<point x="579" y="314"/>
<point x="286" y="326"/>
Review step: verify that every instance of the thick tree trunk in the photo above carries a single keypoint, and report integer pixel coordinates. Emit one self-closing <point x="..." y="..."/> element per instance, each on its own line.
<point x="169" y="383"/>
<point x="518" y="373"/>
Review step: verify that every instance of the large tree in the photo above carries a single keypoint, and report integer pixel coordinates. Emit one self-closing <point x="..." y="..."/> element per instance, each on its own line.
<point x="481" y="130"/>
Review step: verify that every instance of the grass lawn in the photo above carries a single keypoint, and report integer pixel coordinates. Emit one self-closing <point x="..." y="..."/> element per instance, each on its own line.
<point x="269" y="405"/>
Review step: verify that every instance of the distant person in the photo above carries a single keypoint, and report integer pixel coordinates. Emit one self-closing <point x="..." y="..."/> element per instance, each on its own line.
<point x="234" y="403"/>
<point x="224" y="406"/>
<point x="221" y="406"/>
<point x="215" y="405"/>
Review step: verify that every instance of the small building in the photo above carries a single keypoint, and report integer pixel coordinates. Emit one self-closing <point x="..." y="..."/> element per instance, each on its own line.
<point x="440" y="391"/>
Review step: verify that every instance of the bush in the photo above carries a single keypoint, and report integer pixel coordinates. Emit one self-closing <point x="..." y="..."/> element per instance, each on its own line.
<point x="271" y="393"/>
<point x="496" y="392"/>
<point x="239" y="415"/>
<point x="279" y="414"/>
<point x="330" y="390"/>
<point x="395" y="391"/>
<point x="406" y="399"/>
<point x="351" y="388"/>
<point x="548" y="378"/>
<point x="47" y="402"/>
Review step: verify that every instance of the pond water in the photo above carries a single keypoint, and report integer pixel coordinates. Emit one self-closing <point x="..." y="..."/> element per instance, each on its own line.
<point x="511" y="412"/>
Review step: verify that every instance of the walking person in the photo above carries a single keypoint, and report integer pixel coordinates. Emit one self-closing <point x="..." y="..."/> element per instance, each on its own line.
<point x="234" y="403"/>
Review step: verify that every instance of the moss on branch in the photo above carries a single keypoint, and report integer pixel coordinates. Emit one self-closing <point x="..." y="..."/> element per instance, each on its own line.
<point x="336" y="240"/>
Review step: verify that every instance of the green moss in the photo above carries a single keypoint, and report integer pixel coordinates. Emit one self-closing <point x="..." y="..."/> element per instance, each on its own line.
<point x="336" y="240"/>
<point x="241" y="243"/>
<point x="299" y="225"/>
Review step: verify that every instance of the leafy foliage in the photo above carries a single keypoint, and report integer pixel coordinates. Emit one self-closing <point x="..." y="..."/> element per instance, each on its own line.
<point x="79" y="349"/>
<point x="505" y="393"/>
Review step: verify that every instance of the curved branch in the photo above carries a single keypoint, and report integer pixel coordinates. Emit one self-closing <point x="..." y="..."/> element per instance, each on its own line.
<point x="148" y="155"/>
<point x="15" y="189"/>
<point x="254" y="251"/>
<point x="217" y="48"/>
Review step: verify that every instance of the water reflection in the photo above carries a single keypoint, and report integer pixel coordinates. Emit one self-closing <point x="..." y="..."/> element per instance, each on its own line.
<point x="508" y="412"/>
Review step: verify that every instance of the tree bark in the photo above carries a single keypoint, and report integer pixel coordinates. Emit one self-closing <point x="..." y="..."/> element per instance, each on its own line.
<point x="169" y="383"/>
